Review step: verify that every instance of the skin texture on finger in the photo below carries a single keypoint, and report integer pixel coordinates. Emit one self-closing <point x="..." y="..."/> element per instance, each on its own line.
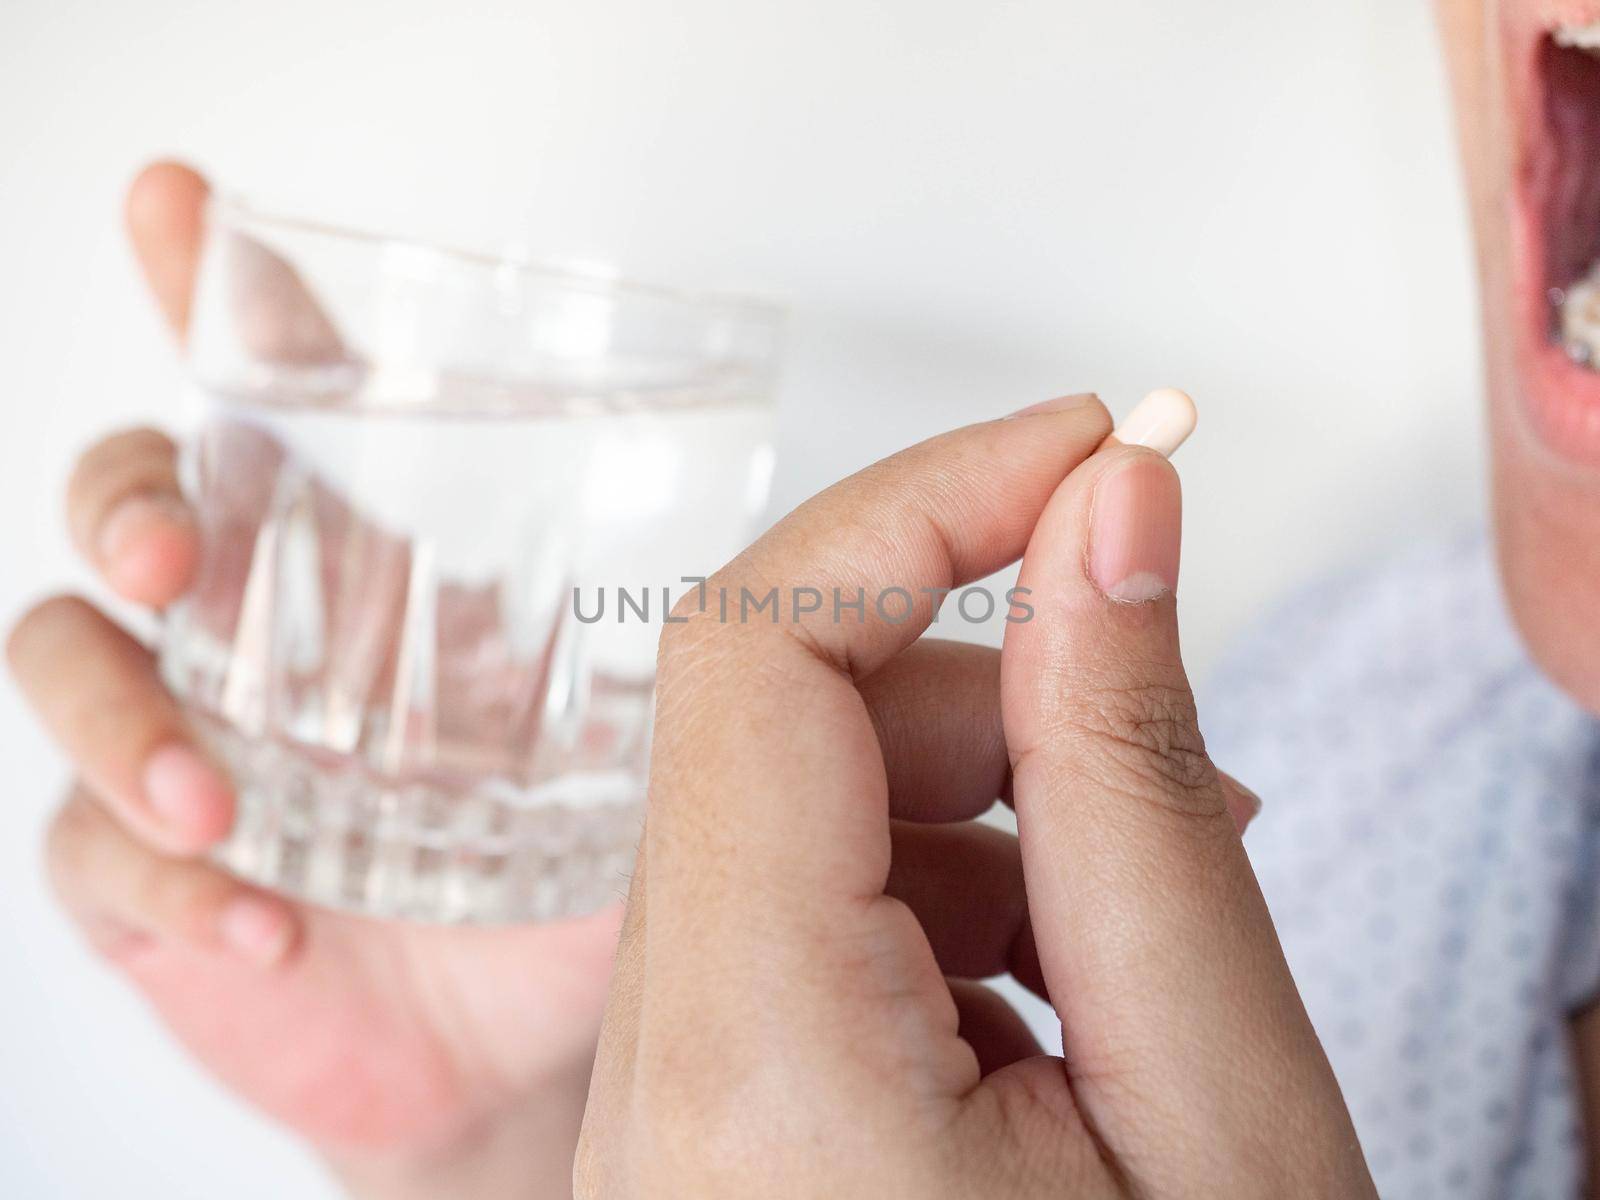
<point x="96" y="690"/>
<point x="936" y="709"/>
<point x="1184" y="1037"/>
<point x="128" y="517"/>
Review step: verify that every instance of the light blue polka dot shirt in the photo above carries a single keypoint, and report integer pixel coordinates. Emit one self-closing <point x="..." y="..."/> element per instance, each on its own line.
<point x="1430" y="848"/>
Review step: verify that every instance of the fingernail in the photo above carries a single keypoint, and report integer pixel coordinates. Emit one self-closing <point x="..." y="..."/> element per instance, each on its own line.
<point x="256" y="929"/>
<point x="135" y="517"/>
<point x="1162" y="421"/>
<point x="1059" y="404"/>
<point x="1135" y="529"/>
<point x="190" y="795"/>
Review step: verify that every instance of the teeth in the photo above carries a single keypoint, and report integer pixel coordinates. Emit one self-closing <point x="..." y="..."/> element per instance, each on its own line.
<point x="1584" y="37"/>
<point x="1579" y="309"/>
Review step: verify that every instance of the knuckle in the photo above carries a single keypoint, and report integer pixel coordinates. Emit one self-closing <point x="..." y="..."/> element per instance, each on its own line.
<point x="134" y="461"/>
<point x="699" y="622"/>
<point x="1146" y="737"/>
<point x="687" y="606"/>
<point x="95" y="865"/>
<point x="181" y="898"/>
<point x="691" y="657"/>
<point x="115" y="453"/>
<point x="687" y="631"/>
<point x="702" y="647"/>
<point x="42" y="626"/>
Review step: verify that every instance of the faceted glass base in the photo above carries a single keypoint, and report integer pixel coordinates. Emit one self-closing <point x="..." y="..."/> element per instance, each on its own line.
<point x="336" y="838"/>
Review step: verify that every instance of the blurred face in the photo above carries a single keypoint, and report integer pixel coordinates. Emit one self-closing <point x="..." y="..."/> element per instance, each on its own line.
<point x="1527" y="84"/>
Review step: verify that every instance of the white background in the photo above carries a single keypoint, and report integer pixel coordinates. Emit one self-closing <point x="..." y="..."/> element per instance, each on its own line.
<point x="966" y="206"/>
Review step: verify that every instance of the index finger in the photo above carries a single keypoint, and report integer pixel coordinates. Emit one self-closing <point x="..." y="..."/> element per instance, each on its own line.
<point x="768" y="799"/>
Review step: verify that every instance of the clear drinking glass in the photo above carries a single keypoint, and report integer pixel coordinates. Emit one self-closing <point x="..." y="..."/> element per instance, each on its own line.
<point x="414" y="469"/>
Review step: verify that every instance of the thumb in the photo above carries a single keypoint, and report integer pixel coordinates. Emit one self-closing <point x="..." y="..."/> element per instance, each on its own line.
<point x="275" y="313"/>
<point x="1183" y="1034"/>
<point x="165" y="213"/>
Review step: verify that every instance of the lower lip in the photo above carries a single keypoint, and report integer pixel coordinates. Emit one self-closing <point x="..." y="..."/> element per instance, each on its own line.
<point x="1560" y="398"/>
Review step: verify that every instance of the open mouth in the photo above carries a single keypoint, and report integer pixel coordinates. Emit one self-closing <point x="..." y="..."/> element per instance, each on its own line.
<point x="1569" y="70"/>
<point x="1555" y="73"/>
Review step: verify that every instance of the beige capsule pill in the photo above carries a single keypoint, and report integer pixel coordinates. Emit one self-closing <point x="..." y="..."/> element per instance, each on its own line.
<point x="1162" y="421"/>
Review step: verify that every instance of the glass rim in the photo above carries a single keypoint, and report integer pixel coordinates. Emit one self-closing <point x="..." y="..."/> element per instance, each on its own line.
<point x="713" y="302"/>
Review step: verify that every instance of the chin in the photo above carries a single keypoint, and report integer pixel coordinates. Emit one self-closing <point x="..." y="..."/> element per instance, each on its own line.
<point x="1548" y="539"/>
<point x="1542" y="305"/>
